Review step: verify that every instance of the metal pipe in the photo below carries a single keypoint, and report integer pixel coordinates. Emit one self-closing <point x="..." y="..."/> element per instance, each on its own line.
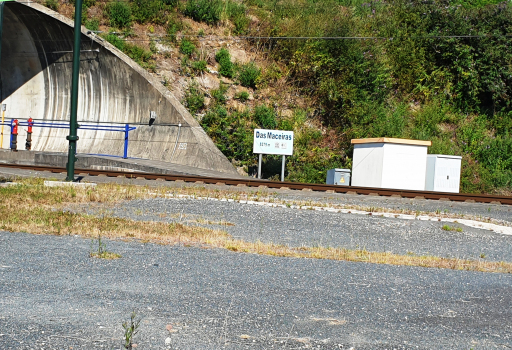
<point x="73" y="125"/>
<point x="282" y="168"/>
<point x="126" y="131"/>
<point x="259" y="166"/>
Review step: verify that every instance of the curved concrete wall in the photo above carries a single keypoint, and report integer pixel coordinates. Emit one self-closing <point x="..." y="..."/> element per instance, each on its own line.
<point x="35" y="77"/>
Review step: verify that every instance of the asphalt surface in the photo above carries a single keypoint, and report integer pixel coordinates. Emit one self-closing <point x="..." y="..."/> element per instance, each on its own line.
<point x="53" y="296"/>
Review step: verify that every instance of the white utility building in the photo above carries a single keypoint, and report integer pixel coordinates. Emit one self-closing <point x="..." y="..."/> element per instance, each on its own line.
<point x="390" y="163"/>
<point x="443" y="173"/>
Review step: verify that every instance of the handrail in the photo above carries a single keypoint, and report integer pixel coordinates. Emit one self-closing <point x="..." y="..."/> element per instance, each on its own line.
<point x="63" y="125"/>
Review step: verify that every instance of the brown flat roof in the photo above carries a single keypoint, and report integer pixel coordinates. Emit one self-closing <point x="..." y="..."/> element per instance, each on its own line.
<point x="392" y="140"/>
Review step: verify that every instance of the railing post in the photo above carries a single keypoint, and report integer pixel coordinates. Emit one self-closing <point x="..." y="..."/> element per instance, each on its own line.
<point x="10" y="142"/>
<point x="126" y="132"/>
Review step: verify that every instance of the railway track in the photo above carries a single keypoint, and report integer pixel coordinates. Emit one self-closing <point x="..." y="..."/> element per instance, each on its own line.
<point x="250" y="182"/>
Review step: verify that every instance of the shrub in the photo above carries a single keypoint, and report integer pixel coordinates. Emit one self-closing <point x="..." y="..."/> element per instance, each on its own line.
<point x="208" y="11"/>
<point x="92" y="24"/>
<point x="174" y="25"/>
<point x="226" y="66"/>
<point x="249" y="73"/>
<point x="242" y="96"/>
<point x="265" y="117"/>
<point x="199" y="66"/>
<point x="187" y="47"/>
<point x="237" y="14"/>
<point x="116" y="41"/>
<point x="119" y="14"/>
<point x="220" y="94"/>
<point x="194" y="98"/>
<point x="136" y="53"/>
<point x="145" y="11"/>
<point x="52" y="4"/>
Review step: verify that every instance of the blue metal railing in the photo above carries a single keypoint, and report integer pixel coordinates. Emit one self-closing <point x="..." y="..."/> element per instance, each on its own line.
<point x="126" y="128"/>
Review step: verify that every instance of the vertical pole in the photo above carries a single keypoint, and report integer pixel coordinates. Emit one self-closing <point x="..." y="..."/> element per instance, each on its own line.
<point x="282" y="168"/>
<point x="126" y="131"/>
<point x="73" y="126"/>
<point x="259" y="166"/>
<point x="1" y="87"/>
<point x="10" y="143"/>
<point x="2" y="134"/>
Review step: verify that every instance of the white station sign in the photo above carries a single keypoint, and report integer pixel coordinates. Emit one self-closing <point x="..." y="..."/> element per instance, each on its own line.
<point x="273" y="142"/>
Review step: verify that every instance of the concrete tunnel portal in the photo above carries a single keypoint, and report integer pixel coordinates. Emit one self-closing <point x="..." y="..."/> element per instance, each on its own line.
<point x="35" y="82"/>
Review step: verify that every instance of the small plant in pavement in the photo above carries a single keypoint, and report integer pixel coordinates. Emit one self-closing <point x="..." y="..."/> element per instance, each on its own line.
<point x="102" y="251"/>
<point x="131" y="328"/>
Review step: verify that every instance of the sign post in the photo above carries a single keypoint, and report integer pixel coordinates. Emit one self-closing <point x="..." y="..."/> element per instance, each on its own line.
<point x="272" y="142"/>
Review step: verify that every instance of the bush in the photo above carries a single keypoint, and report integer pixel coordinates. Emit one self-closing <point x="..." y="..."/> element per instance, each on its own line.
<point x="220" y="94"/>
<point x="136" y="53"/>
<point x="248" y="75"/>
<point x="92" y="24"/>
<point x="187" y="47"/>
<point x="116" y="41"/>
<point x="237" y="14"/>
<point x="145" y="11"/>
<point x="265" y="117"/>
<point x="174" y="25"/>
<point x="226" y="66"/>
<point x="199" y="66"/>
<point x="208" y="11"/>
<point x="52" y="4"/>
<point x="194" y="98"/>
<point x="242" y="96"/>
<point x="119" y="14"/>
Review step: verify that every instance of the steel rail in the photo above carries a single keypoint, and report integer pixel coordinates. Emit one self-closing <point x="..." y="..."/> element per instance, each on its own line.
<point x="250" y="182"/>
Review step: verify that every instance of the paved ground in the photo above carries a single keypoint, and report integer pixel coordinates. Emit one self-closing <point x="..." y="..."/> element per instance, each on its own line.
<point x="53" y="296"/>
<point x="296" y="227"/>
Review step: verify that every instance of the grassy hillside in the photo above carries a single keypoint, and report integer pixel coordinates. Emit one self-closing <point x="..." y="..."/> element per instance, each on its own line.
<point x="429" y="70"/>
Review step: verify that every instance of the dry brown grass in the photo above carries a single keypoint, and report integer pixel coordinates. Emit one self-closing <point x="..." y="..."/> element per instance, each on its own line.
<point x="31" y="207"/>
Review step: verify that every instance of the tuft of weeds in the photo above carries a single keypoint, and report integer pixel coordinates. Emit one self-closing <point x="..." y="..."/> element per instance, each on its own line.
<point x="131" y="328"/>
<point x="451" y="228"/>
<point x="101" y="252"/>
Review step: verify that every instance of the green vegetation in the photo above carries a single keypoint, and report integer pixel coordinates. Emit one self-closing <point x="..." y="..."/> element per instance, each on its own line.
<point x="248" y="75"/>
<point x="220" y="94"/>
<point x="451" y="228"/>
<point x="187" y="47"/>
<point x="199" y="66"/>
<point x="92" y="24"/>
<point x="101" y="251"/>
<point x="194" y="98"/>
<point x="208" y="11"/>
<point x="138" y="54"/>
<point x="242" y="96"/>
<point x="419" y="78"/>
<point x="52" y="4"/>
<point x="226" y="66"/>
<point x="131" y="328"/>
<point x="119" y="13"/>
<point x="434" y="70"/>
